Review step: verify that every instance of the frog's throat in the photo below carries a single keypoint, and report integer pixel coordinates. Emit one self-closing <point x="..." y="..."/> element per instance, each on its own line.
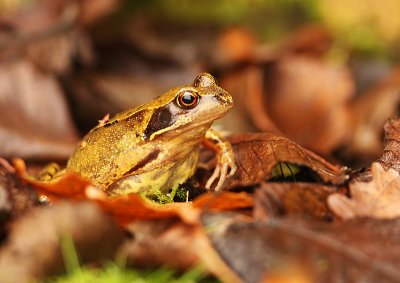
<point x="161" y="178"/>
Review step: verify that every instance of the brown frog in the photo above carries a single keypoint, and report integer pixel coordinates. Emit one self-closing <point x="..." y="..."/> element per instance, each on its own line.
<point x="155" y="146"/>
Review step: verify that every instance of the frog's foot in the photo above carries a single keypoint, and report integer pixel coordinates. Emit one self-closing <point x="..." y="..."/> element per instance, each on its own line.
<point x="226" y="166"/>
<point x="49" y="172"/>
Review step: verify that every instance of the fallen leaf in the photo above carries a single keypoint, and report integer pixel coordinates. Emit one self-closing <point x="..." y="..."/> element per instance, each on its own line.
<point x="50" y="34"/>
<point x="246" y="86"/>
<point x="302" y="103"/>
<point x="16" y="197"/>
<point x="129" y="208"/>
<point x="256" y="155"/>
<point x="391" y="153"/>
<point x="379" y="198"/>
<point x="35" y="119"/>
<point x="359" y="250"/>
<point x="224" y="201"/>
<point x="172" y="243"/>
<point x="69" y="186"/>
<point x="151" y="244"/>
<point x="33" y="247"/>
<point x="308" y="199"/>
<point x="369" y="113"/>
<point x="45" y="34"/>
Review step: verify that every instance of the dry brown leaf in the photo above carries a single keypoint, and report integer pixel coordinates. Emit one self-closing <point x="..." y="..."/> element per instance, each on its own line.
<point x="16" y="197"/>
<point x="153" y="243"/>
<point x="70" y="186"/>
<point x="45" y="34"/>
<point x="159" y="230"/>
<point x="246" y="86"/>
<point x="50" y="34"/>
<point x="35" y="122"/>
<point x="391" y="153"/>
<point x="33" y="247"/>
<point x="132" y="207"/>
<point x="307" y="99"/>
<point x="309" y="199"/>
<point x="369" y="113"/>
<point x="224" y="201"/>
<point x="127" y="209"/>
<point x="379" y="198"/>
<point x="359" y="250"/>
<point x="257" y="153"/>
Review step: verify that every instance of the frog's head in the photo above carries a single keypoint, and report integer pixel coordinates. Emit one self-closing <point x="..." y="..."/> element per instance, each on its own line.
<point x="188" y="107"/>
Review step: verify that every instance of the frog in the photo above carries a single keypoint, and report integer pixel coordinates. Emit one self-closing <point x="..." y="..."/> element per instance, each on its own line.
<point x="156" y="146"/>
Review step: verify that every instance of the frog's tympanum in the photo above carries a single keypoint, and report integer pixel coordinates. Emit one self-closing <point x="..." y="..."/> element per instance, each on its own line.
<point x="155" y="146"/>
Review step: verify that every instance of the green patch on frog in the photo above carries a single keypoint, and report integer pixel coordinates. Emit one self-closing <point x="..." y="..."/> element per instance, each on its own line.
<point x="184" y="193"/>
<point x="175" y="195"/>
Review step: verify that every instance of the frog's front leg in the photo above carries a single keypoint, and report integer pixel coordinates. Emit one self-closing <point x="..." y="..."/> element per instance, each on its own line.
<point x="225" y="158"/>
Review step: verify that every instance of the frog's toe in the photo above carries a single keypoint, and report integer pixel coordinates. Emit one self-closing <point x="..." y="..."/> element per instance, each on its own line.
<point x="222" y="177"/>
<point x="221" y="172"/>
<point x="214" y="176"/>
<point x="49" y="172"/>
<point x="232" y="167"/>
<point x="224" y="169"/>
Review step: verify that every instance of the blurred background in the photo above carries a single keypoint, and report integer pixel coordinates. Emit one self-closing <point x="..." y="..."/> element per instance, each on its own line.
<point x="324" y="73"/>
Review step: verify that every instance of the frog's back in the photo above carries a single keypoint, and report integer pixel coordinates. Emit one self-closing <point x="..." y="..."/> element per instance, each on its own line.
<point x="99" y="155"/>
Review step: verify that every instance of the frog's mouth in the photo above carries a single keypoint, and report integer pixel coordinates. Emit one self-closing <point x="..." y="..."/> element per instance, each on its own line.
<point x="189" y="127"/>
<point x="197" y="122"/>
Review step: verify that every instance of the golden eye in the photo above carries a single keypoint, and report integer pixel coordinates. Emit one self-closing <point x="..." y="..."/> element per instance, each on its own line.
<point x="187" y="99"/>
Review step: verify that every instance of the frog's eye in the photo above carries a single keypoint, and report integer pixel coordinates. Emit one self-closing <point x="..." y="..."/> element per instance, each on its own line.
<point x="187" y="99"/>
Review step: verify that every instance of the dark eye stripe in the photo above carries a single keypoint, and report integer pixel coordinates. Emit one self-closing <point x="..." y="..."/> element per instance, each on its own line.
<point x="161" y="119"/>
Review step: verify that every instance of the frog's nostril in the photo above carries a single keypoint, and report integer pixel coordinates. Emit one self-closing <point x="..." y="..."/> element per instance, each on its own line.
<point x="224" y="98"/>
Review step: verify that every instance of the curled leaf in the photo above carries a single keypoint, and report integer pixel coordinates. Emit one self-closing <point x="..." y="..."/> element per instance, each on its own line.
<point x="256" y="155"/>
<point x="379" y="198"/>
